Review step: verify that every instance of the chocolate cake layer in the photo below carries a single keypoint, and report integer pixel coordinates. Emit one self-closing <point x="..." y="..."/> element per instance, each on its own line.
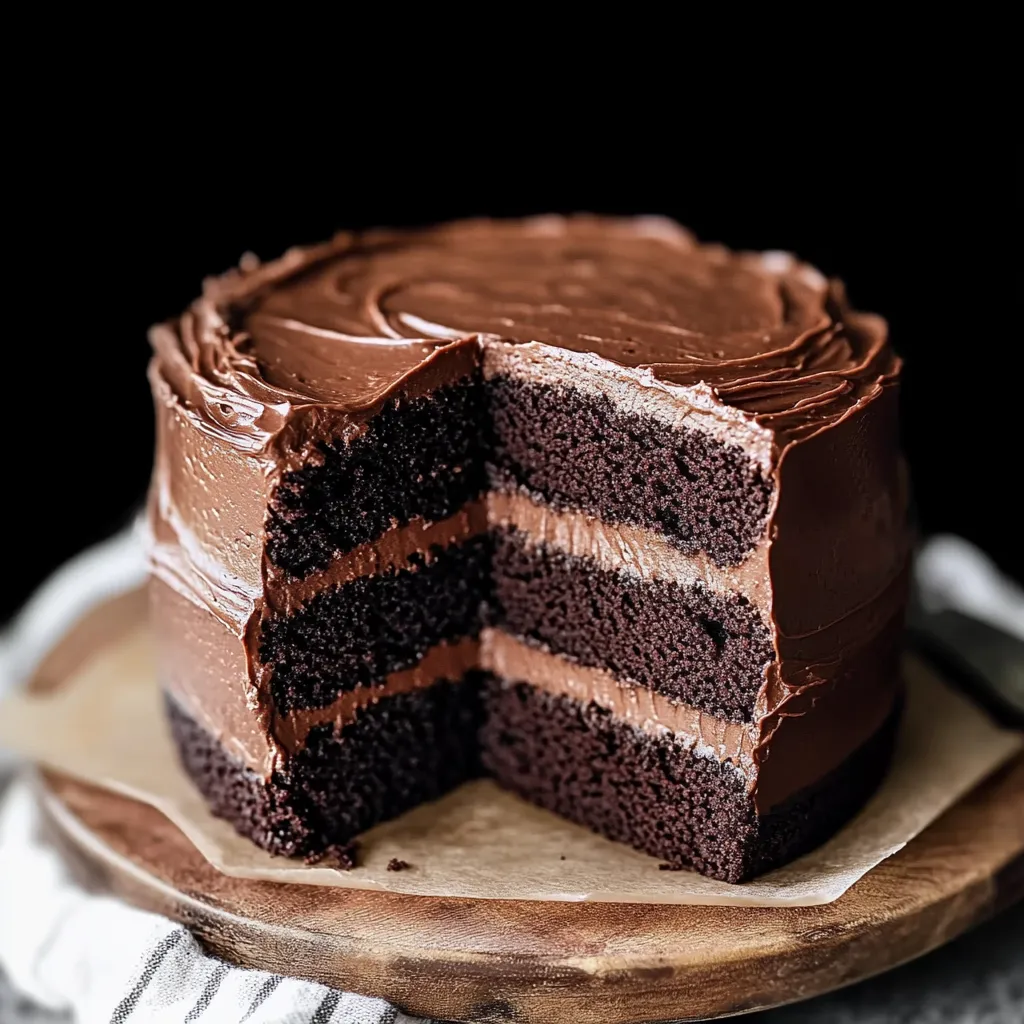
<point x="357" y="633"/>
<point x="575" y="450"/>
<point x="419" y="457"/>
<point x="706" y="649"/>
<point x="398" y="753"/>
<point x="657" y="793"/>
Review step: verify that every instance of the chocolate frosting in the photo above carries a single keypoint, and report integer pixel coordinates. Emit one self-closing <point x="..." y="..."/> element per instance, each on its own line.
<point x="759" y="350"/>
<point x="344" y="324"/>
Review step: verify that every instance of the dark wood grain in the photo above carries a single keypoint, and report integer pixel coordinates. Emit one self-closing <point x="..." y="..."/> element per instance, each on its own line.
<point x="488" y="960"/>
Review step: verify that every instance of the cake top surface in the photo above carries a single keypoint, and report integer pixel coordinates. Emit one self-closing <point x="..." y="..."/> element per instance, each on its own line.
<point x="345" y="323"/>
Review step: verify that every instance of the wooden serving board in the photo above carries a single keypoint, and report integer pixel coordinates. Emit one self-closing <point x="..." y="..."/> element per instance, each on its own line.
<point x="524" y="961"/>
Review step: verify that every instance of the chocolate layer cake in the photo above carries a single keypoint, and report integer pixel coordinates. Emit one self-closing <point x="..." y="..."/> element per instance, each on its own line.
<point x="613" y="516"/>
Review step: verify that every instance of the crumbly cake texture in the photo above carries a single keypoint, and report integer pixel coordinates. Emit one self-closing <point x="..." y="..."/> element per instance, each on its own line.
<point x="357" y="633"/>
<point x="612" y="517"/>
<point x="421" y="457"/>
<point x="401" y="752"/>
<point x="576" y="451"/>
<point x="655" y="792"/>
<point x="704" y="649"/>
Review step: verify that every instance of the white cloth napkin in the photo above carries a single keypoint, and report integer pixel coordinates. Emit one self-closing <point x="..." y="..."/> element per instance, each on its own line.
<point x="106" y="961"/>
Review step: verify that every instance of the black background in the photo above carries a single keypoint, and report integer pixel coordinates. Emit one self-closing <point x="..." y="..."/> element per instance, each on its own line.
<point x="126" y="216"/>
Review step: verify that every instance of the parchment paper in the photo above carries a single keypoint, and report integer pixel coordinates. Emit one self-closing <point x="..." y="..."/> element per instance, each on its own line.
<point x="107" y="727"/>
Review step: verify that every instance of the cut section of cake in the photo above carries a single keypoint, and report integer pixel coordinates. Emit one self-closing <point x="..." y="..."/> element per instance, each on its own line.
<point x="614" y="517"/>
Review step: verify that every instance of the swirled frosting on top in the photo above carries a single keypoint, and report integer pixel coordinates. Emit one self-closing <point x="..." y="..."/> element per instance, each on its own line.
<point x="346" y="323"/>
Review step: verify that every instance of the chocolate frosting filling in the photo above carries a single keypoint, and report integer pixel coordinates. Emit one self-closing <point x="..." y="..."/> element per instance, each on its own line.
<point x="444" y="661"/>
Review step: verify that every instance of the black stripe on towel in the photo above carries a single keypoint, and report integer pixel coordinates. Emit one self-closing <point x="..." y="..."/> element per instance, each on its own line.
<point x="124" y="1009"/>
<point x="206" y="996"/>
<point x="262" y="996"/>
<point x="325" y="1010"/>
